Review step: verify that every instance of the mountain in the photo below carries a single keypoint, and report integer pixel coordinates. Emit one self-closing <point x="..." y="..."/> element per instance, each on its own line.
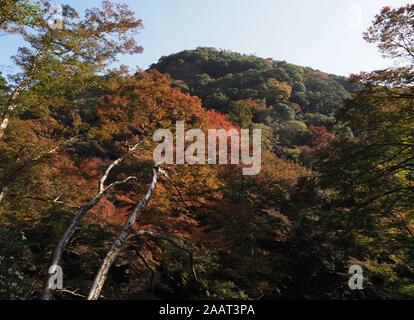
<point x="221" y="78"/>
<point x="285" y="100"/>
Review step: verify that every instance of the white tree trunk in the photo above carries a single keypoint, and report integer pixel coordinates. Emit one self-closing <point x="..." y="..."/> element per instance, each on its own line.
<point x="100" y="278"/>
<point x="3" y="191"/>
<point x="57" y="254"/>
<point x="11" y="103"/>
<point x="6" y="118"/>
<point x="3" y="126"/>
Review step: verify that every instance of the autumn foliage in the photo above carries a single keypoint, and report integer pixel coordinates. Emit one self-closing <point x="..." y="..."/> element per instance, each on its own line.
<point x="335" y="189"/>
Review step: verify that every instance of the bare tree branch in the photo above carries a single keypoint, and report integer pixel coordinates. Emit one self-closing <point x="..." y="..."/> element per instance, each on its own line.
<point x="118" y="243"/>
<point x="73" y="293"/>
<point x="157" y="236"/>
<point x="57" y="255"/>
<point x="142" y="258"/>
<point x="165" y="174"/>
<point x="81" y="213"/>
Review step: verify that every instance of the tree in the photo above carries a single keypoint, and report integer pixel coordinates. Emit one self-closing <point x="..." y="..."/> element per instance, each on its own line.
<point x="58" y="65"/>
<point x="84" y="47"/>
<point x="283" y="112"/>
<point x="370" y="170"/>
<point x="379" y="153"/>
<point x="221" y="78"/>
<point x="14" y="14"/>
<point x="139" y="105"/>
<point x="277" y="91"/>
<point x="392" y="32"/>
<point x="241" y="114"/>
<point x="295" y="133"/>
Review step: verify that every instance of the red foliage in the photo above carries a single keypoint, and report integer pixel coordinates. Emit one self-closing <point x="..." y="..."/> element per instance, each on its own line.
<point x="90" y="167"/>
<point x="217" y="120"/>
<point x="259" y="105"/>
<point x="321" y="138"/>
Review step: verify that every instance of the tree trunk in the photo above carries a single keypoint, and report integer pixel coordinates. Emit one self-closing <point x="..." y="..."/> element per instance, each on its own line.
<point x="78" y="217"/>
<point x="100" y="278"/>
<point x="11" y="103"/>
<point x="57" y="254"/>
<point x="3" y="191"/>
<point x="6" y="118"/>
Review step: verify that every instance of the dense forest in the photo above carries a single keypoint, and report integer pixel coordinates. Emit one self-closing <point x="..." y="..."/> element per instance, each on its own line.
<point x="79" y="187"/>
<point x="286" y="101"/>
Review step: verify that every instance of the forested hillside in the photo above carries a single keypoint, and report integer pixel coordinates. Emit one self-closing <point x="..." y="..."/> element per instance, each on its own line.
<point x="286" y="101"/>
<point x="79" y="188"/>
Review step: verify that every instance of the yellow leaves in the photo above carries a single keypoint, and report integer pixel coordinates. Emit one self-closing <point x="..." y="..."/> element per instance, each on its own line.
<point x="284" y="88"/>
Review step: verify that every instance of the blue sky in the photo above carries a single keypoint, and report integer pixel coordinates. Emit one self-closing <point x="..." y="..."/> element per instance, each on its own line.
<point x="323" y="34"/>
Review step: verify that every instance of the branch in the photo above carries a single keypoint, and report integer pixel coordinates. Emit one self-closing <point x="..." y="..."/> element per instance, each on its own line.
<point x="57" y="201"/>
<point x="64" y="203"/>
<point x="81" y="213"/>
<point x="157" y="236"/>
<point x="118" y="243"/>
<point x="19" y="167"/>
<point x="153" y="272"/>
<point x="73" y="293"/>
<point x="115" y="163"/>
<point x="108" y="170"/>
<point x="10" y="105"/>
<point x="60" y="248"/>
<point x="165" y="174"/>
<point x="391" y="192"/>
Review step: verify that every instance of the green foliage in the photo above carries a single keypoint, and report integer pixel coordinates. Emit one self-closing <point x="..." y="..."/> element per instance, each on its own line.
<point x="12" y="278"/>
<point x="367" y="168"/>
<point x="19" y="12"/>
<point x="3" y="92"/>
<point x="283" y="112"/>
<point x="319" y="120"/>
<point x="241" y="114"/>
<point x="325" y="199"/>
<point x="220" y="78"/>
<point x="295" y="133"/>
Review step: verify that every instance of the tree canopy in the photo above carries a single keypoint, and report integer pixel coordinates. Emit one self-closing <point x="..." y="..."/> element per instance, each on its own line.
<point x="79" y="187"/>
